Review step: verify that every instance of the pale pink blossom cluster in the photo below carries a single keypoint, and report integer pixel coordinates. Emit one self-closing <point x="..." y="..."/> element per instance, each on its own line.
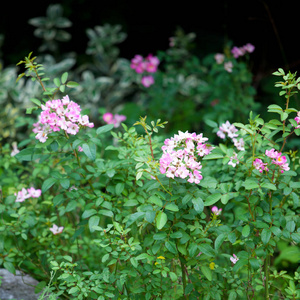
<point x="227" y="129"/>
<point x="24" y="194"/>
<point x="116" y="119"/>
<point x="231" y="131"/>
<point x="260" y="165"/>
<point x="278" y="159"/>
<point x="56" y="230"/>
<point x="233" y="161"/>
<point x="180" y="153"/>
<point x="234" y="259"/>
<point x="60" y="114"/>
<point x="241" y="51"/>
<point x="148" y="64"/>
<point x="220" y="58"/>
<point x="216" y="211"/>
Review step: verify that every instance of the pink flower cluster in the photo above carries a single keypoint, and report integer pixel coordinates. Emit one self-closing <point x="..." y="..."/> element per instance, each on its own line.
<point x="278" y="159"/>
<point x="149" y="65"/>
<point x="230" y="130"/>
<point x="116" y="119"/>
<point x="60" y="114"/>
<point x="24" y="194"/>
<point x="241" y="51"/>
<point x="179" y="156"/>
<point x="220" y="58"/>
<point x="260" y="165"/>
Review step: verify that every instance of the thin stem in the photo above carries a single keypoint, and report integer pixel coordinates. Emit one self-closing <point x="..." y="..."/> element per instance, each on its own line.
<point x="267" y="265"/>
<point x="183" y="276"/>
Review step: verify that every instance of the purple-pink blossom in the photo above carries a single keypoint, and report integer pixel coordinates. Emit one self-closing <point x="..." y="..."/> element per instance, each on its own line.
<point x="260" y="165"/>
<point x="147" y="81"/>
<point x="241" y="51"/>
<point x="278" y="159"/>
<point x="60" y="114"/>
<point x="116" y="119"/>
<point x="216" y="211"/>
<point x="179" y="158"/>
<point x="219" y="57"/>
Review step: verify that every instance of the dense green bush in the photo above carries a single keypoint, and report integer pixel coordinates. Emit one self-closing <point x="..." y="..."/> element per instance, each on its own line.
<point x="149" y="209"/>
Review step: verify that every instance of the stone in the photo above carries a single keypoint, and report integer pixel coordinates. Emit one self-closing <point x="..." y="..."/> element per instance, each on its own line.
<point x="17" y="287"/>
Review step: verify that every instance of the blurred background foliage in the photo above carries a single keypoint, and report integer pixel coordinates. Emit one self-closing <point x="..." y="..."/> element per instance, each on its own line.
<point x="191" y="91"/>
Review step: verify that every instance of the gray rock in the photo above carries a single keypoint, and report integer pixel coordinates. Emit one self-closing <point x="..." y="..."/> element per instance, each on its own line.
<point x="17" y="287"/>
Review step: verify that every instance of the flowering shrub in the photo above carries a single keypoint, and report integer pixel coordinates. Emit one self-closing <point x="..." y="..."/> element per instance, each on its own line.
<point x="147" y="216"/>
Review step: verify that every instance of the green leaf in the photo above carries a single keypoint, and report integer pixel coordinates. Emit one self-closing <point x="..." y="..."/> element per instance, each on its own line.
<point x="207" y="250"/>
<point x="48" y="183"/>
<point x="212" y="199"/>
<point x="134" y="262"/>
<point x="171" y="247"/>
<point x="56" y="82"/>
<point x="119" y="188"/>
<point x="198" y="204"/>
<point x="36" y="101"/>
<point x="9" y="267"/>
<point x="250" y="184"/>
<point x="246" y="231"/>
<point x="72" y="84"/>
<point x="88" y="213"/>
<point x="155" y="200"/>
<point x="269" y="185"/>
<point x="93" y="221"/>
<point x="89" y="150"/>
<point x="104" y="129"/>
<point x="65" y="183"/>
<point x="172" y="207"/>
<point x="134" y="217"/>
<point x="161" y="220"/>
<point x="219" y="240"/>
<point x="206" y="272"/>
<point x="64" y="77"/>
<point x="265" y="235"/>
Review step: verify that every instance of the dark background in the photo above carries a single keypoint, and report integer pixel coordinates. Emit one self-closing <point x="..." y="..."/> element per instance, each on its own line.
<point x="272" y="26"/>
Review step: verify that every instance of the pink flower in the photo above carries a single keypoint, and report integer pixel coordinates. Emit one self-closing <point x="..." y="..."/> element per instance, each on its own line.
<point x="278" y="159"/>
<point x="116" y="119"/>
<point x="216" y="210"/>
<point x="233" y="160"/>
<point x="249" y="47"/>
<point x="259" y="165"/>
<point x="56" y="230"/>
<point x="147" y="81"/>
<point x="228" y="66"/>
<point x="15" y="149"/>
<point x="219" y="58"/>
<point x="179" y="156"/>
<point x="22" y="195"/>
<point x="234" y="259"/>
<point x="239" y="144"/>
<point x="59" y="114"/>
<point x="108" y="117"/>
<point x="32" y="192"/>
